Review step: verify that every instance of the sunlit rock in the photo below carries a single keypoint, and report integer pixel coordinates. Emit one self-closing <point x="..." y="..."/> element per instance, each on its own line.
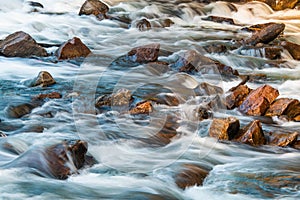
<point x="282" y="106"/>
<point x="282" y="139"/>
<point x="43" y="79"/>
<point x="293" y="49"/>
<point x="142" y="108"/>
<point x="236" y="97"/>
<point x="94" y="7"/>
<point x="224" y="129"/>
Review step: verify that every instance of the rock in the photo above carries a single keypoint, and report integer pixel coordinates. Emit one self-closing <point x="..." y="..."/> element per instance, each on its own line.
<point x="236" y="97"/>
<point x="19" y="110"/>
<point x="191" y="175"/>
<point x="73" y="48"/>
<point x="215" y="48"/>
<point x="44" y="79"/>
<point x="206" y="89"/>
<point x="142" y="108"/>
<point x="282" y="139"/>
<point x="219" y="19"/>
<point x="257" y="27"/>
<point x="281" y="106"/>
<point x="122" y="97"/>
<point x="165" y="98"/>
<point x="293" y="49"/>
<point x="144" y="54"/>
<point x="52" y="95"/>
<point x="21" y="44"/>
<point x="259" y="100"/>
<point x="2" y="134"/>
<point x="266" y="34"/>
<point x="270" y="52"/>
<point x="143" y="25"/>
<point x="226" y="70"/>
<point x="162" y="23"/>
<point x="224" y="129"/>
<point x="297" y="118"/>
<point x="158" y="67"/>
<point x="204" y="113"/>
<point x="252" y="134"/>
<point x="94" y="7"/>
<point x="296" y="145"/>
<point x="280" y="4"/>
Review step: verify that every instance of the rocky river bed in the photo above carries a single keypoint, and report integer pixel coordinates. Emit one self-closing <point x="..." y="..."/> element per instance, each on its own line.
<point x="175" y="99"/>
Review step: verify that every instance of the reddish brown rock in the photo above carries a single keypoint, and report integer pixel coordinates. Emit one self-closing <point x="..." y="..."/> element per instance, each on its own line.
<point x="293" y="49"/>
<point x="167" y="99"/>
<point x="236" y="97"/>
<point x="142" y="108"/>
<point x="257" y="27"/>
<point x="52" y="95"/>
<point x="144" y="54"/>
<point x="20" y="44"/>
<point x="94" y="7"/>
<point x="282" y="139"/>
<point x="219" y="19"/>
<point x="259" y="100"/>
<point x="143" y="25"/>
<point x="43" y="79"/>
<point x="226" y="70"/>
<point x="266" y="34"/>
<point x="191" y="175"/>
<point x="296" y="145"/>
<point x="71" y="49"/>
<point x="215" y="48"/>
<point x="224" y="129"/>
<point x="252" y="134"/>
<point x="297" y="118"/>
<point x="281" y="107"/>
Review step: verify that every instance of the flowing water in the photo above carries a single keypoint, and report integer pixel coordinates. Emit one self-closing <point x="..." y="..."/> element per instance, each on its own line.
<point x="128" y="166"/>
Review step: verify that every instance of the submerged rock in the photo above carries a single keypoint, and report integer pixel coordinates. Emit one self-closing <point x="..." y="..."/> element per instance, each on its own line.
<point x="144" y="54"/>
<point x="144" y="107"/>
<point x="121" y="97"/>
<point x="43" y="79"/>
<point x="21" y="44"/>
<point x="73" y="48"/>
<point x="219" y="19"/>
<point x="224" y="129"/>
<point x="236" y="97"/>
<point x="143" y="25"/>
<point x="282" y="139"/>
<point x="52" y="95"/>
<point x="94" y="7"/>
<point x="259" y="100"/>
<point x="191" y="175"/>
<point x="19" y="110"/>
<point x="206" y="89"/>
<point x="252" y="134"/>
<point x="293" y="49"/>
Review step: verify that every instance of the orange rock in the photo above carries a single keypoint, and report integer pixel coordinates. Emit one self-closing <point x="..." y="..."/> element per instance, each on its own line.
<point x="236" y="97"/>
<point x="282" y="139"/>
<point x="142" y="108"/>
<point x="252" y="134"/>
<point x="71" y="49"/>
<point x="224" y="129"/>
<point x="281" y="106"/>
<point x="52" y="95"/>
<point x="293" y="49"/>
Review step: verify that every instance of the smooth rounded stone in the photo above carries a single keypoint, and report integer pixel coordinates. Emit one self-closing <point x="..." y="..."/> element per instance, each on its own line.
<point x="236" y="97"/>
<point x="191" y="175"/>
<point x="282" y="139"/>
<point x="144" y="54"/>
<point x="94" y="7"/>
<point x="73" y="48"/>
<point x="259" y="100"/>
<point x="266" y="35"/>
<point x="252" y="134"/>
<point x="219" y="19"/>
<point x="281" y="106"/>
<point x="224" y="129"/>
<point x="52" y="95"/>
<point x="293" y="49"/>
<point x="21" y="44"/>
<point x="144" y="107"/>
<point x="143" y="25"/>
<point x="44" y="79"/>
<point x="19" y="110"/>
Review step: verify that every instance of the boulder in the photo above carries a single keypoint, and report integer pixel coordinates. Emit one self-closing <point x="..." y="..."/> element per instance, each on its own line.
<point x="280" y="4"/>
<point x="73" y="48"/>
<point x="144" y="54"/>
<point x="236" y="97"/>
<point x="44" y="79"/>
<point x="191" y="175"/>
<point x="219" y="19"/>
<point x="121" y="97"/>
<point x="266" y="34"/>
<point x="19" y="110"/>
<point x="281" y="107"/>
<point x="52" y="95"/>
<point x="293" y="49"/>
<point x="21" y="44"/>
<point x="252" y="134"/>
<point x="259" y="100"/>
<point x="224" y="129"/>
<point x="143" y="25"/>
<point x="94" y="7"/>
<point x="282" y="139"/>
<point x="144" y="107"/>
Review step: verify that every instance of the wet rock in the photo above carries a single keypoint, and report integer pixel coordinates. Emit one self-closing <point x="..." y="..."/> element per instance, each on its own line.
<point x="252" y="134"/>
<point x="121" y="97"/>
<point x="224" y="129"/>
<point x="269" y="52"/>
<point x="257" y="27"/>
<point x="293" y="49"/>
<point x="167" y="99"/>
<point x="44" y="79"/>
<point x="206" y="89"/>
<point x="143" y="25"/>
<point x="73" y="48"/>
<point x="158" y="67"/>
<point x="280" y="4"/>
<point x="226" y="70"/>
<point x="21" y="44"/>
<point x="297" y="118"/>
<point x="19" y="110"/>
<point x="191" y="175"/>
<point x="259" y="100"/>
<point x="52" y="95"/>
<point x="266" y="34"/>
<point x="215" y="48"/>
<point x="281" y="107"/>
<point x="2" y="134"/>
<point x="296" y="145"/>
<point x="204" y="113"/>
<point x="142" y="108"/>
<point x="144" y="54"/>
<point x="94" y="7"/>
<point x="236" y="97"/>
<point x="162" y="23"/>
<point x="282" y="139"/>
<point x="219" y="19"/>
